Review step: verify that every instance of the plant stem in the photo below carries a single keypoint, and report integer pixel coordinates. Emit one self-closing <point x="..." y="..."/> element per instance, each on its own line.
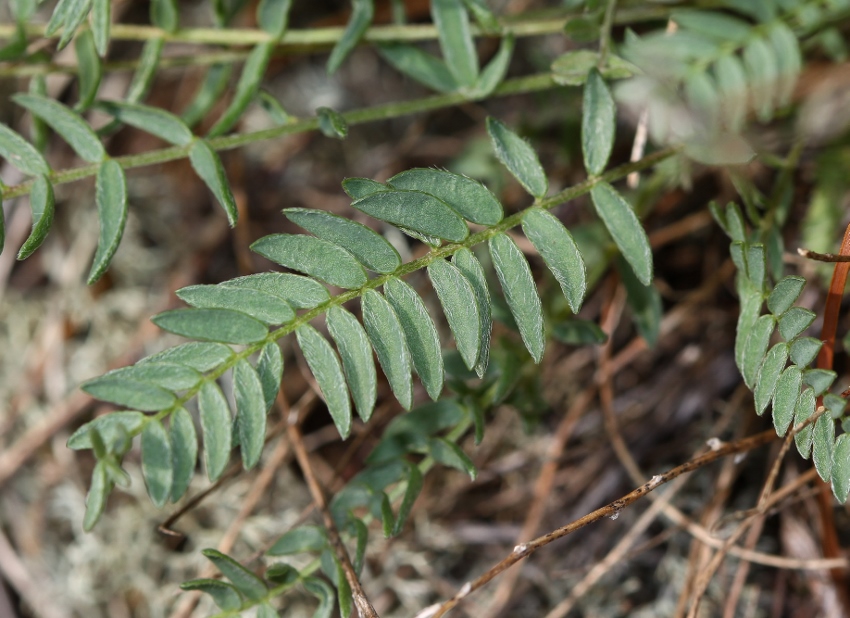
<point x="532" y="83"/>
<point x="605" y="33"/>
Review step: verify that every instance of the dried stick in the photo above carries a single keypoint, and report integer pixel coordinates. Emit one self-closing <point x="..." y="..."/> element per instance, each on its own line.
<point x="611" y="509"/>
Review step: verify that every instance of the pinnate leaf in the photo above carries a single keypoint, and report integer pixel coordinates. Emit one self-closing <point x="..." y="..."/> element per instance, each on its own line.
<point x="558" y="249"/>
<point x="250" y="412"/>
<point x="518" y="156"/>
<point x="466" y="196"/>
<point x="313" y="256"/>
<point x="804" y="350"/>
<point x="356" y="353"/>
<point x="819" y="379"/>
<point x="794" y="321"/>
<point x="357" y="188"/>
<point x="387" y="337"/>
<point x="756" y="347"/>
<point x="216" y="428"/>
<point x="625" y="228"/>
<point x="156" y="462"/>
<point x="111" y="198"/>
<point x="450" y="454"/>
<point x="802" y="411"/>
<point x="221" y="325"/>
<point x="301" y="539"/>
<point x="199" y="355"/>
<point x="326" y="369"/>
<point x="520" y="291"/>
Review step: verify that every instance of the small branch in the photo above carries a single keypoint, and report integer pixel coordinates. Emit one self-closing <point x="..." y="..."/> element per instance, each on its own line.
<point x="610" y="510"/>
<point x="823" y="257"/>
<point x="605" y="33"/>
<point x="364" y="607"/>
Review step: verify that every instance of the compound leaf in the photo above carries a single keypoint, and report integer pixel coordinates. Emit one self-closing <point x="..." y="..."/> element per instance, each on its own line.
<point x="110" y="427"/>
<point x="199" y="355"/>
<point x="756" y="347"/>
<point x="496" y="69"/>
<point x="802" y="411"/>
<point x="452" y="22"/>
<point x="804" y="350"/>
<point x="419" y="65"/>
<point x="823" y="439"/>
<point x="784" y="294"/>
<point x="298" y="540"/>
<point x="115" y="388"/>
<point x="90" y="70"/>
<point x="450" y="454"/>
<point x="246" y="88"/>
<point x="20" y="153"/>
<point x="224" y="595"/>
<point x="840" y="474"/>
<point x="785" y="398"/>
<point x="794" y="321"/>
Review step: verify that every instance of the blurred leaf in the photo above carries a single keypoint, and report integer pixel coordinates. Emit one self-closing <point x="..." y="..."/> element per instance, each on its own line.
<point x="110" y="426"/>
<point x="90" y="70"/>
<point x="298" y="540"/>
<point x="419" y="65"/>
<point x="111" y="198"/>
<point x="326" y="369"/>
<point x="421" y="336"/>
<point x="324" y="593"/>
<point x="579" y="332"/>
<point x="518" y="156"/>
<point x="249" y="82"/>
<point x="823" y="439"/>
<point x="483" y="15"/>
<point x="598" y="123"/>
<point x="75" y="14"/>
<point x="316" y="257"/>
<point x="558" y="249"/>
<point x="207" y="164"/>
<point x="495" y="71"/>
<point x="281" y="573"/>
<point x="788" y="58"/>
<point x="625" y="229"/>
<point x="273" y="16"/>
<point x="763" y="72"/>
<point x="164" y="14"/>
<point x="645" y="303"/>
<point x="471" y="269"/>
<point x="156" y="462"/>
<point x="96" y="498"/>
<point x="520" y="292"/>
<point x="719" y="149"/>
<point x="572" y="68"/>
<point x="145" y="70"/>
<point x="370" y="248"/>
<point x="387" y="337"/>
<point x="411" y="492"/>
<point x="835" y="405"/>
<point x="362" y="13"/>
<point x="415" y="211"/>
<point x="153" y="120"/>
<point x="299" y="291"/>
<point x="224" y="595"/>
<point x="456" y="43"/>
<point x="450" y="454"/>
<point x="802" y="411"/>
<point x="220" y="325"/>
<point x="768" y="376"/>
<point x="216" y="428"/>
<point x="755" y="348"/>
<point x="211" y="89"/>
<point x="250" y="412"/>
<point x="270" y="370"/>
<point x="263" y="306"/>
<point x="332" y="123"/>
<point x="20" y="153"/>
<point x="245" y="581"/>
<point x="184" y="452"/>
<point x="66" y="123"/>
<point x="583" y="29"/>
<point x="273" y="108"/>
<point x="356" y="355"/>
<point x="42" y="205"/>
<point x="840" y="474"/>
<point x="461" y="308"/>
<point x="720" y="26"/>
<point x="732" y="90"/>
<point x="785" y="294"/>
<point x="468" y="197"/>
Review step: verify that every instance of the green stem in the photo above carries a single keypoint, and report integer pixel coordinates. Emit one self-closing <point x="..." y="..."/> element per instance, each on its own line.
<point x="605" y="33"/>
<point x="532" y="83"/>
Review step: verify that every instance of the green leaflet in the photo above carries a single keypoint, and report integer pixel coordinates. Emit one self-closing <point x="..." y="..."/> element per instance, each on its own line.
<point x="250" y="412"/>
<point x="66" y="123"/>
<point x="823" y="439"/>
<point x="164" y="15"/>
<point x="819" y="379"/>
<point x="483" y="15"/>
<point x="156" y="462"/>
<point x="357" y="188"/>
<point x="199" y="355"/>
<point x="356" y="354"/>
<point x="785" y="398"/>
<point x="411" y="492"/>
<point x="415" y="211"/>
<point x="90" y="73"/>
<point x="100" y="22"/>
<point x="76" y="12"/>
<point x="625" y="229"/>
<point x="495" y="71"/>
<point x="58" y="17"/>
<point x="299" y="540"/>
<point x="246" y="88"/>
<point x="787" y="51"/>
<point x="802" y="411"/>
<point x="794" y="321"/>
<point x="598" y="123"/>
<point x="361" y="533"/>
<point x="572" y="68"/>
<point x="245" y="581"/>
<point x="763" y="72"/>
<point x="558" y="249"/>
<point x="111" y="427"/>
<point x="96" y="498"/>
<point x="784" y="294"/>
<point x="332" y="123"/>
<point x="299" y="291"/>
<point x="768" y="376"/>
<point x="755" y="348"/>
<point x="216" y="429"/>
<point x="712" y="24"/>
<point x="115" y="388"/>
<point x="207" y="164"/>
<point x="756" y="265"/>
<point x="421" y="336"/>
<point x="325" y="366"/>
<point x="273" y="108"/>
<point x="419" y="65"/>
<point x="184" y="452"/>
<point x="258" y="304"/>
<point x="313" y="256"/>
<point x="224" y="595"/>
<point x="451" y="455"/>
<point x="579" y="332"/>
<point x="168" y="375"/>
<point x="751" y="301"/>
<point x="644" y="301"/>
<point x="273" y="16"/>
<point x="732" y="91"/>
<point x="322" y="591"/>
<point x="20" y="153"/>
<point x="38" y="131"/>
<point x="518" y="156"/>
<point x="840" y="474"/>
<point x="153" y="120"/>
<point x="111" y="198"/>
<point x="520" y="292"/>
<point x="468" y="197"/>
<point x="387" y="337"/>
<point x="804" y="350"/>
<point x="270" y="370"/>
<point x="42" y="205"/>
<point x="362" y="13"/>
<point x="220" y="325"/>
<point x="370" y="248"/>
<point x="461" y="308"/>
<point x="452" y="22"/>
<point x="214" y="84"/>
<point x="145" y="70"/>
<point x="471" y="269"/>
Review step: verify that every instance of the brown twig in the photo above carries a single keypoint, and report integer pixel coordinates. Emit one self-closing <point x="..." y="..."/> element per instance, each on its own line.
<point x="611" y="509"/>
<point x="823" y="257"/>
